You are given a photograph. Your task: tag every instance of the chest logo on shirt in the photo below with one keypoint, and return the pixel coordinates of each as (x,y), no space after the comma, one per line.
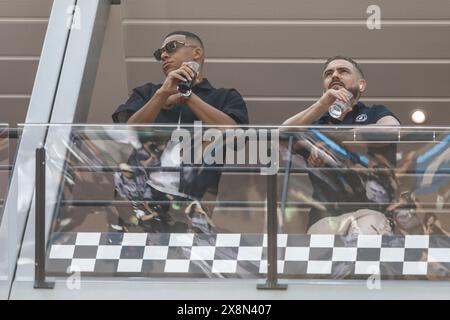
(361,118)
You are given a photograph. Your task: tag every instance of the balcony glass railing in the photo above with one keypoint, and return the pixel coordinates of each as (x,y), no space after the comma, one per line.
(247,202)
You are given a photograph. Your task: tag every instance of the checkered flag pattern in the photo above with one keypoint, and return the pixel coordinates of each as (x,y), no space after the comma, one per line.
(246,254)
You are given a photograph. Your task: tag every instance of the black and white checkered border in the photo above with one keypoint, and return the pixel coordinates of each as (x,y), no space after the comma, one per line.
(246,254)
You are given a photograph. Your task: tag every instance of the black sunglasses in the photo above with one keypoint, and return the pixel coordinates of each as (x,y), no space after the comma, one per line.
(170,47)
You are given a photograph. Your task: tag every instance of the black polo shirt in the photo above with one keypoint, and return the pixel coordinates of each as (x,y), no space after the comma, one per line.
(340,190)
(229,101)
(363,115)
(194,181)
(360,115)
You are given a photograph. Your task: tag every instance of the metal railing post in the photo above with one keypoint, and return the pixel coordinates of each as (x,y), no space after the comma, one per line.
(39,242)
(272,232)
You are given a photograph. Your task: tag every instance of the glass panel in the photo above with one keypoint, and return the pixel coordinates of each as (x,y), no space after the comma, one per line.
(374,205)
(6,221)
(129,205)
(150,201)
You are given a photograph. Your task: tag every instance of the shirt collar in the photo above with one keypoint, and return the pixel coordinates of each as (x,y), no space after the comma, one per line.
(204,85)
(348,119)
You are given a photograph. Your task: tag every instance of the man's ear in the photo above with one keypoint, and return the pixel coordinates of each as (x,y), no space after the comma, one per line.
(198,54)
(362,85)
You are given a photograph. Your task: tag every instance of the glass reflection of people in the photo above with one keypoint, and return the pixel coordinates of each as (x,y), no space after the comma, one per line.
(429,163)
(334,189)
(131,184)
(163,104)
(432,225)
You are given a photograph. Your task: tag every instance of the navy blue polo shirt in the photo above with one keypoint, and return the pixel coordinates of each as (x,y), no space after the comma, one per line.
(340,191)
(363,115)
(194,182)
(360,115)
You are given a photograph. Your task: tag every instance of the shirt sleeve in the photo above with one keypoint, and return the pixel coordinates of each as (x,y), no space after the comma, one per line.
(235,107)
(324,119)
(381,111)
(136,101)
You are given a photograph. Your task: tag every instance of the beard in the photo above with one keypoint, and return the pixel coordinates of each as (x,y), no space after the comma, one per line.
(355,92)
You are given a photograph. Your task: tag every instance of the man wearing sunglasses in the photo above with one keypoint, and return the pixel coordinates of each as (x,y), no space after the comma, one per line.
(337,193)
(164,104)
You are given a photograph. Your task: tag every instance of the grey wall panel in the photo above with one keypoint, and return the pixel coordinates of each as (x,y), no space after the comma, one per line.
(284,9)
(304,79)
(275,112)
(253,187)
(25,8)
(299,41)
(110,88)
(16,76)
(22,39)
(13,110)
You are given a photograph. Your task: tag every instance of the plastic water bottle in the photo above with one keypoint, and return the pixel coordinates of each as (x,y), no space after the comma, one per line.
(339,107)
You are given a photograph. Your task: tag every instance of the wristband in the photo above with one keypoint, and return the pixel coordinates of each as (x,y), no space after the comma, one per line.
(186,94)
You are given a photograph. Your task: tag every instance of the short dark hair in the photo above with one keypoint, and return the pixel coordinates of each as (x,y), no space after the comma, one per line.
(188,35)
(353,62)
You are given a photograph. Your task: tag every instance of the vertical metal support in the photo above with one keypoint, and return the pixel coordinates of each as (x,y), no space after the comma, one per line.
(40,243)
(286,178)
(272,232)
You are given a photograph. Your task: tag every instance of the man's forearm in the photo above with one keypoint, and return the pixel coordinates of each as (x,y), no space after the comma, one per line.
(149,112)
(307,116)
(207,113)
